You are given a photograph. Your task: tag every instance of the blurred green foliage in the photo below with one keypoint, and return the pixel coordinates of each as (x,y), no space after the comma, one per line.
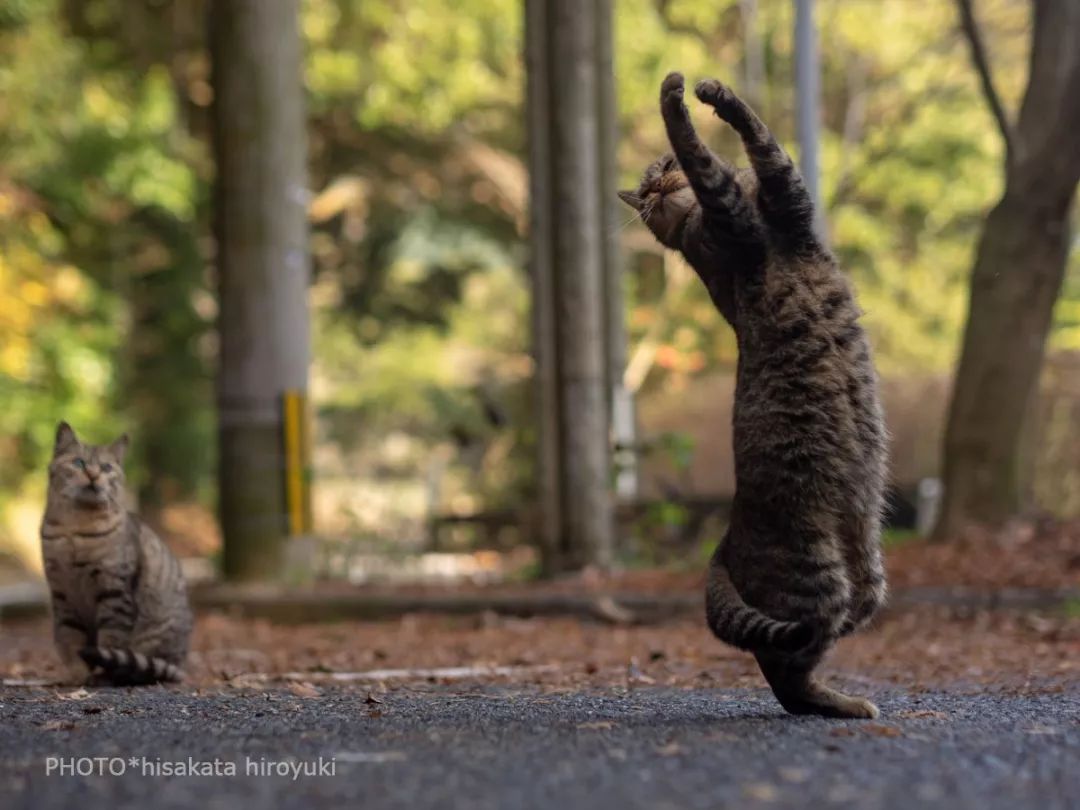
(98,258)
(416,142)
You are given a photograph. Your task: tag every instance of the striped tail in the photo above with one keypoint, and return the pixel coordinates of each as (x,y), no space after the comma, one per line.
(129,668)
(736,623)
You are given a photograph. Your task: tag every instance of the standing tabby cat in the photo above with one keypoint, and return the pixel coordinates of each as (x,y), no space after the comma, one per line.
(800,565)
(120,608)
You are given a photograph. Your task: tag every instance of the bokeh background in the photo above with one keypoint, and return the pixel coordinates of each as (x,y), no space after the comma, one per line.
(421,371)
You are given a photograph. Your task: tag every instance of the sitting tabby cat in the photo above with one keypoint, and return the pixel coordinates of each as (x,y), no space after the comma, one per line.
(800,564)
(120,607)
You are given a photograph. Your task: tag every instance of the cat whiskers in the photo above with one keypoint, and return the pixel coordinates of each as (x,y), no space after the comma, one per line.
(649,208)
(621,228)
(644,214)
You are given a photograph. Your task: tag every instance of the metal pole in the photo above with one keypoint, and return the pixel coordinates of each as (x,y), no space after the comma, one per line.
(807,90)
(620,400)
(754,46)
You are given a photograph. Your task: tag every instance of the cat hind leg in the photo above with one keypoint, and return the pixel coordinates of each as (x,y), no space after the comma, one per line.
(799,692)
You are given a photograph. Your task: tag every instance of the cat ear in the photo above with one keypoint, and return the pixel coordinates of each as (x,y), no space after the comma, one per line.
(65,438)
(119,448)
(631,199)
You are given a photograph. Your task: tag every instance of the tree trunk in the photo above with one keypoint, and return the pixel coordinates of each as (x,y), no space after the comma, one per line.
(1018,272)
(548,519)
(568,284)
(579,288)
(263,270)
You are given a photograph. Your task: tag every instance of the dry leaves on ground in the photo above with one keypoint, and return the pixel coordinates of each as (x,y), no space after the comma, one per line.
(918,648)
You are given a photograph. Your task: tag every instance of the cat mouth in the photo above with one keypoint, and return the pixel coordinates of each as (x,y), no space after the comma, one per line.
(671,207)
(91,496)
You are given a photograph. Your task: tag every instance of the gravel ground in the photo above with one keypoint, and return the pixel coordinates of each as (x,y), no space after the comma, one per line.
(489,746)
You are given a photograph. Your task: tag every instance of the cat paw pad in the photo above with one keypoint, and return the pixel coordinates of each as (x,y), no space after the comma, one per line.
(711,91)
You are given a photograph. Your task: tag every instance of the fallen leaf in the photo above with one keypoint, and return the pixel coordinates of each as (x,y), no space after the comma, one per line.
(78,694)
(58,725)
(635,675)
(879,730)
(371,699)
(611,611)
(842,731)
(1041,730)
(796,775)
(597,724)
(304,690)
(916,714)
(761,791)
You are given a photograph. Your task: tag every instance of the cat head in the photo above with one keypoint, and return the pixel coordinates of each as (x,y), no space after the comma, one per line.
(84,476)
(664,200)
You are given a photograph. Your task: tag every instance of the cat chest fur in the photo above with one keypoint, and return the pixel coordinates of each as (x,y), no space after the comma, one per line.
(80,568)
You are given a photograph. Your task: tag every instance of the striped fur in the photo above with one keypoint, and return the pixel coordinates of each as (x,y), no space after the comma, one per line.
(119,601)
(736,623)
(800,565)
(129,668)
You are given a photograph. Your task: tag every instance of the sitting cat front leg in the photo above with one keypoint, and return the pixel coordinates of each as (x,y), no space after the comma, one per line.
(70,637)
(115,616)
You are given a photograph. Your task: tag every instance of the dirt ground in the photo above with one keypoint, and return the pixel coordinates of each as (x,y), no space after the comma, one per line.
(921,648)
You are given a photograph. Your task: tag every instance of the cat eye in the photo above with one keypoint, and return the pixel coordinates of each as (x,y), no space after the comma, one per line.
(80,464)
(106,467)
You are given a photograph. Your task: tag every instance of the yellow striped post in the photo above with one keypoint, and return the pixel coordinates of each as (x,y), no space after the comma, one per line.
(297,455)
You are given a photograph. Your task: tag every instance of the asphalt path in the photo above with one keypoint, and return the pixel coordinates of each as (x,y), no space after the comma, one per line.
(509,747)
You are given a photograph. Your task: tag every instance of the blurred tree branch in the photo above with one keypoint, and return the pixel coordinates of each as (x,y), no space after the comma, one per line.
(979,57)
(663,9)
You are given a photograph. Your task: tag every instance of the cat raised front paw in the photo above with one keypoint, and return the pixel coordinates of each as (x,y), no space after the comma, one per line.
(671,91)
(716,94)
